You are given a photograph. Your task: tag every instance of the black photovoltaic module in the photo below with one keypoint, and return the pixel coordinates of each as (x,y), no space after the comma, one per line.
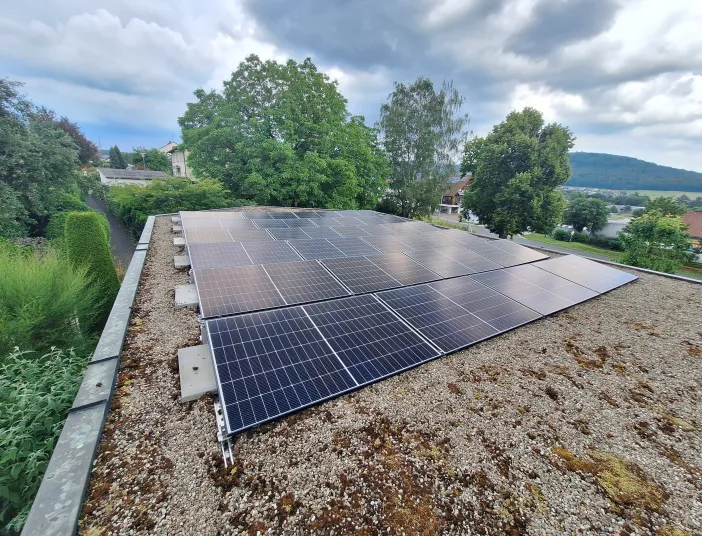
(505,252)
(360,275)
(304,281)
(271,252)
(587,273)
(319,248)
(216,255)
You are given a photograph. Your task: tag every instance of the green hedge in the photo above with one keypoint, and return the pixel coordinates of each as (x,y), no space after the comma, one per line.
(87,247)
(57,225)
(36,393)
(606,242)
(134,204)
(40,299)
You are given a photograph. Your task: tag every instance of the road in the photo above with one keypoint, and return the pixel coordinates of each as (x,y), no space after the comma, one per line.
(121,241)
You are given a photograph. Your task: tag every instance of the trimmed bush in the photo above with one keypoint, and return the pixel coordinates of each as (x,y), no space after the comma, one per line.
(41,299)
(561,234)
(87,247)
(36,393)
(57,225)
(133,204)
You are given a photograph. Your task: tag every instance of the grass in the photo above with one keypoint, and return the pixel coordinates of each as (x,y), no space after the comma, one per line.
(688,270)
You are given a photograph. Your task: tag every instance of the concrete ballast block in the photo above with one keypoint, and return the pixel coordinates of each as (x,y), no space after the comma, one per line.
(196,370)
(185,296)
(179,241)
(181,261)
(177,228)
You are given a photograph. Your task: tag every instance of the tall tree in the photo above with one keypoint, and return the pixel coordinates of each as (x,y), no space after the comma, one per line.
(117,159)
(37,163)
(657,241)
(516,169)
(422,130)
(280,134)
(155,160)
(87,150)
(586,212)
(666,206)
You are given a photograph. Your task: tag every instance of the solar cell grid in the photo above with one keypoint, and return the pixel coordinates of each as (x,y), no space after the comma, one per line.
(229,215)
(308,223)
(269,364)
(257,215)
(501,256)
(442,321)
(196,214)
(271,223)
(318,248)
(283,215)
(234,290)
(414,242)
(288,234)
(304,281)
(469,259)
(321,232)
(351,230)
(360,274)
(523,252)
(585,272)
(384,243)
(217,255)
(353,247)
(206,236)
(403,269)
(200,223)
(307,214)
(368,338)
(433,260)
(237,224)
(270,252)
(250,235)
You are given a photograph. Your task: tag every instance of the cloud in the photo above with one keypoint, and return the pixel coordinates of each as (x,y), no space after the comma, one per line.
(623,74)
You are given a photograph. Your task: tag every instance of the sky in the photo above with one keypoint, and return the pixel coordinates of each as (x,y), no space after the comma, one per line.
(624,75)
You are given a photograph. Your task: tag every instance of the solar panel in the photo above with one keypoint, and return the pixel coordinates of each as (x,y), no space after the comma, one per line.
(217,255)
(469,259)
(257,215)
(304,281)
(353,247)
(200,223)
(270,252)
(237,224)
(206,236)
(433,260)
(368,338)
(272,363)
(319,248)
(360,274)
(327,214)
(288,234)
(587,273)
(228,215)
(351,230)
(196,214)
(440,238)
(415,242)
(404,269)
(497,310)
(496,251)
(442,321)
(250,235)
(385,243)
(234,290)
(271,223)
(526,285)
(321,232)
(283,215)
(464,237)
(302,222)
(308,214)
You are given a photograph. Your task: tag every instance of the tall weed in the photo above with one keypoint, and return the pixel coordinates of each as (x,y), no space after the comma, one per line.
(36,392)
(41,300)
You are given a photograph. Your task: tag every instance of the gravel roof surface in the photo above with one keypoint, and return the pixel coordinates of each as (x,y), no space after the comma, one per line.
(586,422)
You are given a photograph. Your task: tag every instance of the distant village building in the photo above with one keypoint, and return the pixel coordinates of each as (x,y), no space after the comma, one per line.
(139,177)
(452,198)
(179,164)
(693,220)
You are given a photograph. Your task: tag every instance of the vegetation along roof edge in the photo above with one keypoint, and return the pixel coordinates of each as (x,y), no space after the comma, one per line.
(58,503)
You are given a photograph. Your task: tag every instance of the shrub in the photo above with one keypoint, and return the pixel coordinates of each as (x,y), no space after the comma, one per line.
(14,219)
(41,298)
(35,394)
(133,204)
(87,246)
(561,234)
(57,225)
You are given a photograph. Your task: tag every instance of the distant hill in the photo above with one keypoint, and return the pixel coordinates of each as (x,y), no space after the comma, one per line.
(613,172)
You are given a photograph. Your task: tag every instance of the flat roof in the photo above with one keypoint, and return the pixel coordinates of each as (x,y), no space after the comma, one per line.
(587,420)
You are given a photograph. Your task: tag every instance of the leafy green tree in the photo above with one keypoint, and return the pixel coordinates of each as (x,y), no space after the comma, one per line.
(589,212)
(280,134)
(116,159)
(155,160)
(516,169)
(656,241)
(613,209)
(626,208)
(37,163)
(666,206)
(684,201)
(87,246)
(422,131)
(87,150)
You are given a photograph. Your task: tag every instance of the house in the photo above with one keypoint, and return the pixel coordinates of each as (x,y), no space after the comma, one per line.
(693,220)
(112,177)
(451,199)
(178,160)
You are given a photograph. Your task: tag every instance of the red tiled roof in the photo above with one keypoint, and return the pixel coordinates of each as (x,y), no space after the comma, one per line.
(694,221)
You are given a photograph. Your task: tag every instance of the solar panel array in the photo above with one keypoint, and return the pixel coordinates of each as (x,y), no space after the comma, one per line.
(302,306)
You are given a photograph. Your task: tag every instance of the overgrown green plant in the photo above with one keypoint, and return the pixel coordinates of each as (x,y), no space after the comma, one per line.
(87,247)
(133,204)
(57,225)
(36,392)
(41,299)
